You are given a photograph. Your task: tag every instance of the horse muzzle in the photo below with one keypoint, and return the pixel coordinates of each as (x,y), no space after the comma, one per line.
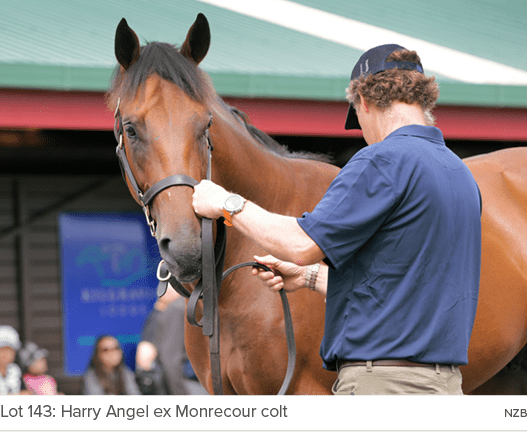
(182,258)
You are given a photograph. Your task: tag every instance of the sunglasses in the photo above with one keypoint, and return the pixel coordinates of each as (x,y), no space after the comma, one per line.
(109,349)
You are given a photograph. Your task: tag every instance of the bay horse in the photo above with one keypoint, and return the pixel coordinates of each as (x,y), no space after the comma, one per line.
(170,108)
(500,328)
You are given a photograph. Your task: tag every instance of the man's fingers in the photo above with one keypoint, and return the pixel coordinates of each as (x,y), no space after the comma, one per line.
(269,279)
(268,260)
(275,284)
(277,288)
(265,275)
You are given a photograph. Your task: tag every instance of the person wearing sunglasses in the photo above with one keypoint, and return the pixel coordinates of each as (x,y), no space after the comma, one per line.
(107,373)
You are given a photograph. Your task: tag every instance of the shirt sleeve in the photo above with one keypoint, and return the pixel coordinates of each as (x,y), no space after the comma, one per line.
(354,207)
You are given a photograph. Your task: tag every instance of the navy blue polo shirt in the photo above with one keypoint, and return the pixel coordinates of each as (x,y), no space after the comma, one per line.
(401,230)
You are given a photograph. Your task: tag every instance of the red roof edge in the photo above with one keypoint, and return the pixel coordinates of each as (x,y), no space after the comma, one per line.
(41,109)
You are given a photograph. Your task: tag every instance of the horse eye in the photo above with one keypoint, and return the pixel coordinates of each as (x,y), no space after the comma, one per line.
(210,123)
(130,132)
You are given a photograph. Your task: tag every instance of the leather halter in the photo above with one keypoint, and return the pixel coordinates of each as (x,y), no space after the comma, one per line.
(212,258)
(146,198)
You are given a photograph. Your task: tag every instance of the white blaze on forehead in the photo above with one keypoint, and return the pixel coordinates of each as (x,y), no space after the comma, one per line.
(436,59)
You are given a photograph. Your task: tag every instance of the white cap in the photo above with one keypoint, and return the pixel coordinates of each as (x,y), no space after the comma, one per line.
(9,338)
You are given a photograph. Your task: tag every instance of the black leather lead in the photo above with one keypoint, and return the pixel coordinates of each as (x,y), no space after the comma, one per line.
(288,321)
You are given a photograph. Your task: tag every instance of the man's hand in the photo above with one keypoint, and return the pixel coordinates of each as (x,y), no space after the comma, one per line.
(286,274)
(208,199)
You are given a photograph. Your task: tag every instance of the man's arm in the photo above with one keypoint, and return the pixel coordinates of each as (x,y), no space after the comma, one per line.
(279,235)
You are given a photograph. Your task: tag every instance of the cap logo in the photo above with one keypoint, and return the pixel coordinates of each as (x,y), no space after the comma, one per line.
(366,69)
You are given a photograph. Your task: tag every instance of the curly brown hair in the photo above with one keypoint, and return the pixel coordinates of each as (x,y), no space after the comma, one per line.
(383,88)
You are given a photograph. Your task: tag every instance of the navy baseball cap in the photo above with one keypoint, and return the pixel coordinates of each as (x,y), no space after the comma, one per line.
(372,62)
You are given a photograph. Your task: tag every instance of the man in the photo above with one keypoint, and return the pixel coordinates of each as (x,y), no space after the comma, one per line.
(400,235)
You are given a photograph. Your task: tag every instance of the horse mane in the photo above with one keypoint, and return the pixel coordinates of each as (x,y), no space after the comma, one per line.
(272,145)
(165,60)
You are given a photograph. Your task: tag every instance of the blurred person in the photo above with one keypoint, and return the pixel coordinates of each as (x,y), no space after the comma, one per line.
(149,374)
(162,365)
(107,373)
(34,365)
(10,372)
(149,371)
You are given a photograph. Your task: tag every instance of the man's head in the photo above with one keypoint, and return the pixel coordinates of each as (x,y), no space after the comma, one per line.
(390,73)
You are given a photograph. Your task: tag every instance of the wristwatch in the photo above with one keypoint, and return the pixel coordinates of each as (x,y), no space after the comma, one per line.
(233,204)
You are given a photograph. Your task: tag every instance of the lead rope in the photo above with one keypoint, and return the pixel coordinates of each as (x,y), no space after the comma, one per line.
(197,295)
(288,322)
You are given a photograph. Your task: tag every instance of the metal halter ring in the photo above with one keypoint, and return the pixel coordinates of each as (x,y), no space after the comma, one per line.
(151,222)
(115,115)
(167,277)
(117,108)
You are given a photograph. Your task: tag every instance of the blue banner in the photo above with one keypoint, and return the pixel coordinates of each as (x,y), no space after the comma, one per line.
(108,267)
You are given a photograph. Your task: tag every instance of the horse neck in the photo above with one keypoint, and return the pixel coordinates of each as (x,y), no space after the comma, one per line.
(244,166)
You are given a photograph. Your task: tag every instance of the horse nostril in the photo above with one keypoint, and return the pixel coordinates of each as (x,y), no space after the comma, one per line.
(164,246)
(182,256)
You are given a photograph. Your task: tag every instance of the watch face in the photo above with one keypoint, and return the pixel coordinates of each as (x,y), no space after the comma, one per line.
(233,202)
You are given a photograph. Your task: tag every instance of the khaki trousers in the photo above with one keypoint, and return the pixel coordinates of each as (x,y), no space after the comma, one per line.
(398,380)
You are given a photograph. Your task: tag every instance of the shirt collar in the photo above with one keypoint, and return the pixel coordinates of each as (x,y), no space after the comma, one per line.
(430,133)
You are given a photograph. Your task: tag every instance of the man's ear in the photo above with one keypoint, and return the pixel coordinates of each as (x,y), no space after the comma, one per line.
(364,104)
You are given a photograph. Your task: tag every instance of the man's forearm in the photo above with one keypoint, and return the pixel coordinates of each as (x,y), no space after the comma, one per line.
(279,235)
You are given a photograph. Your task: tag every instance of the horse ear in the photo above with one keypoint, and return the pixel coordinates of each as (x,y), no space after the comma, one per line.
(127,45)
(197,43)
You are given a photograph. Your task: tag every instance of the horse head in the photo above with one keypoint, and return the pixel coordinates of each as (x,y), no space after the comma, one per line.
(164,121)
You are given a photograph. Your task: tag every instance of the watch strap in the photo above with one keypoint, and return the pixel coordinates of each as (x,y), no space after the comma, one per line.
(228,217)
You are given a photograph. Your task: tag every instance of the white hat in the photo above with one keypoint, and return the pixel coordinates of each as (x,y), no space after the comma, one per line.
(30,353)
(9,338)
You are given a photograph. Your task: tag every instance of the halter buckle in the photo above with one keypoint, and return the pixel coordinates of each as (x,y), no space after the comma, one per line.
(151,222)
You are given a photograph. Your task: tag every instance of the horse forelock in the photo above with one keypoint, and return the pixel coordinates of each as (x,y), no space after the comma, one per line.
(167,62)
